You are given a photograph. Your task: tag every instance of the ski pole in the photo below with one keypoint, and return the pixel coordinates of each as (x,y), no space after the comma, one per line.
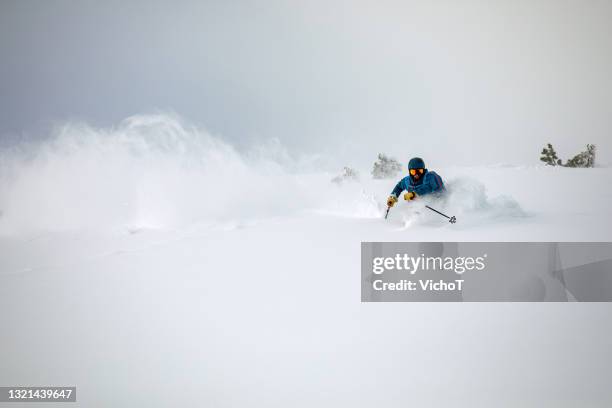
(387,213)
(452,219)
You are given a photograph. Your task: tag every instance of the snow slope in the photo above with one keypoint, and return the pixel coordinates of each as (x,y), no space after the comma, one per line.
(161,264)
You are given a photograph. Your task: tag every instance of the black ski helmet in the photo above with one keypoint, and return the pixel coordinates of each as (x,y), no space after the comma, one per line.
(416,163)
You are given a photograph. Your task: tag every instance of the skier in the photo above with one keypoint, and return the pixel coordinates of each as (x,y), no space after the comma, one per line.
(419,182)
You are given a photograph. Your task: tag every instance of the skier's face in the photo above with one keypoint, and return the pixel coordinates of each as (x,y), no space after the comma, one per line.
(416,174)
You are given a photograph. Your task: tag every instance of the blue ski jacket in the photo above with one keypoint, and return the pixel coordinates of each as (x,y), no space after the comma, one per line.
(429,183)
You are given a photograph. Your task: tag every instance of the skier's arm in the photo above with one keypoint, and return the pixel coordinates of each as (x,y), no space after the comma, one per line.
(399,187)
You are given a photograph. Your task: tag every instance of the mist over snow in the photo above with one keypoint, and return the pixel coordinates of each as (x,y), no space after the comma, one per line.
(149,171)
(158,172)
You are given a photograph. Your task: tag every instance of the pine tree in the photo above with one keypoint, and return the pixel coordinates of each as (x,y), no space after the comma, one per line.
(385,167)
(591,155)
(549,156)
(583,159)
(348,174)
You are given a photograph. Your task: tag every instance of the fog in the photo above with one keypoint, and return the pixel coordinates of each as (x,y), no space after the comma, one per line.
(456,82)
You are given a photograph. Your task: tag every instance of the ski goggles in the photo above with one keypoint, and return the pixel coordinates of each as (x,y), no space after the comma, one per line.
(413,172)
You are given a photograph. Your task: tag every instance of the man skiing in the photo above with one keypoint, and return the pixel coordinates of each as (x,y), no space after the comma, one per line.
(419,182)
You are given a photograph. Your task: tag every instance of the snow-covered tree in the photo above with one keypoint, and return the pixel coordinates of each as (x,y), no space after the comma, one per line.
(591,155)
(348,174)
(385,167)
(549,156)
(583,159)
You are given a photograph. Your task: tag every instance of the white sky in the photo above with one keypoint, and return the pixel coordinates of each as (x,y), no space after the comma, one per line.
(452,81)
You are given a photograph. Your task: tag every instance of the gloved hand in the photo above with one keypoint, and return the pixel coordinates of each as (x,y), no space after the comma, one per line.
(409,196)
(391,201)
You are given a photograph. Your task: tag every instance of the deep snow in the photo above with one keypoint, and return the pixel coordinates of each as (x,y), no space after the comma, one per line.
(157,261)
